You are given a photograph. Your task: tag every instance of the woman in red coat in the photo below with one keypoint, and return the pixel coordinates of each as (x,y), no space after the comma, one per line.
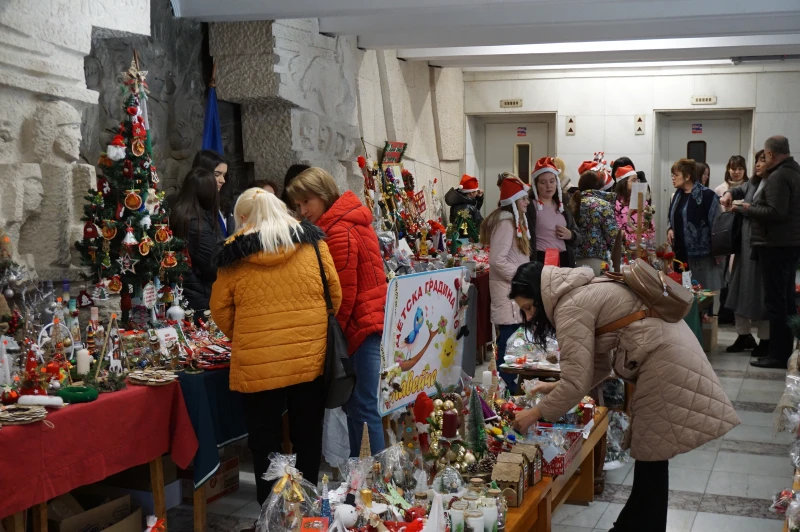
(354,246)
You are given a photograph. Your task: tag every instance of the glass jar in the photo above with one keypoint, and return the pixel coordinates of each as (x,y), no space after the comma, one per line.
(477,486)
(473,521)
(456,513)
(471,498)
(502,508)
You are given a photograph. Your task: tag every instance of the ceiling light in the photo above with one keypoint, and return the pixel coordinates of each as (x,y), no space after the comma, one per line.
(604,66)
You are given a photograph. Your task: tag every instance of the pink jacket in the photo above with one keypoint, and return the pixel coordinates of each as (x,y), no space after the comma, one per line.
(504,259)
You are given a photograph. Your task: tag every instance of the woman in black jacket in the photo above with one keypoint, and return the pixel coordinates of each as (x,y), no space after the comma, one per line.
(195,219)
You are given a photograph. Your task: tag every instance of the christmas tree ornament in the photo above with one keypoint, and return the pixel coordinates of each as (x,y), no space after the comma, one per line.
(169,260)
(163,234)
(120,210)
(115,284)
(84,299)
(127,169)
(106,246)
(105,262)
(133,201)
(8,293)
(109,230)
(145,222)
(116,150)
(101,292)
(103,188)
(132,110)
(130,239)
(153,202)
(138,130)
(137,147)
(127,264)
(145,245)
(153,174)
(90,231)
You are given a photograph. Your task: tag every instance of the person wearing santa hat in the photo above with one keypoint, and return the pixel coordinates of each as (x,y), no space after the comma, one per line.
(468,196)
(506,233)
(551,225)
(594,211)
(626,176)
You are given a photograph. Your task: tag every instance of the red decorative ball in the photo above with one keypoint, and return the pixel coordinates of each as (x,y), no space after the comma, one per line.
(362,162)
(132,110)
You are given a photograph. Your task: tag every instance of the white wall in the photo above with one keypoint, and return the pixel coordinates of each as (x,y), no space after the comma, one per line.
(605,103)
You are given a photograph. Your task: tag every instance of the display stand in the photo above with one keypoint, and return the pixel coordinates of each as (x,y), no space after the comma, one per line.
(576,485)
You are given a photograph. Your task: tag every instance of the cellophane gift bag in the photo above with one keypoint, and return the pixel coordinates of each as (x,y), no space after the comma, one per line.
(292,497)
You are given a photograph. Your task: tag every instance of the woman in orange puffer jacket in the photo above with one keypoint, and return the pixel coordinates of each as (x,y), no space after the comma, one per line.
(269,300)
(355,250)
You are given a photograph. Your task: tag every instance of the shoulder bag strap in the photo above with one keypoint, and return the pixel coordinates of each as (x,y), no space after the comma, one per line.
(328,301)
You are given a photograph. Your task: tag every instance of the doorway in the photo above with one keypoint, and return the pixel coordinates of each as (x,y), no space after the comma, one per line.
(512,143)
(711,137)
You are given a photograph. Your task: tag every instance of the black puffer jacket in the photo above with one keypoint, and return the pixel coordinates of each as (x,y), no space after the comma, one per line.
(458,201)
(775,211)
(202,242)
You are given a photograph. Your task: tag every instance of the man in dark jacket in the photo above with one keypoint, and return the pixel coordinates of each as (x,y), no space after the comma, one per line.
(775,238)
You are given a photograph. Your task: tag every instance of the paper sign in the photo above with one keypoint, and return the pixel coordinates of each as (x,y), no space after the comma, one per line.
(166,335)
(637,188)
(522,131)
(686,280)
(549,453)
(421,343)
(149,295)
(697,129)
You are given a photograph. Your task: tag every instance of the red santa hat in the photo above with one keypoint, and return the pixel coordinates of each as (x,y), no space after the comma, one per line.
(608,182)
(588,166)
(543,166)
(469,184)
(625,171)
(511,189)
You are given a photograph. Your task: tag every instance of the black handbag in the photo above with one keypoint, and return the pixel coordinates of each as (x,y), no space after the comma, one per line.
(726,235)
(338,376)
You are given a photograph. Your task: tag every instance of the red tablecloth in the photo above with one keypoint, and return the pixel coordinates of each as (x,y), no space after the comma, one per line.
(484,333)
(91,441)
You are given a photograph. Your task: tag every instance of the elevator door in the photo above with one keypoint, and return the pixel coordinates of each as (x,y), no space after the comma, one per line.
(511,147)
(710,141)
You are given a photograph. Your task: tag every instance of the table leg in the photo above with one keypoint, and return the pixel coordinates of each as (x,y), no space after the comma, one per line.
(157,486)
(584,490)
(200,509)
(40,517)
(544,511)
(14,523)
(599,463)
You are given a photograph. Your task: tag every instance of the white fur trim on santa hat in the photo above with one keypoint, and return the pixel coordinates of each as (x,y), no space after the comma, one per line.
(544,170)
(513,199)
(467,190)
(629,174)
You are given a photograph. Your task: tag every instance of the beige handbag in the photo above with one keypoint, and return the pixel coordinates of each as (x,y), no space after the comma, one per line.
(664,298)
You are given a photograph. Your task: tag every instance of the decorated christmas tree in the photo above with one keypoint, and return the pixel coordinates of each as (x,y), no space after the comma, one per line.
(127,241)
(476,431)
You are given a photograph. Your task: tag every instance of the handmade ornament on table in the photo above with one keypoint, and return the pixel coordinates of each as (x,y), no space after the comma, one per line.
(133,201)
(116,150)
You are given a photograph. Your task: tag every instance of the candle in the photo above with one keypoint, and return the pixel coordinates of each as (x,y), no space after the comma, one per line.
(450,424)
(366,497)
(487,379)
(6,362)
(473,521)
(456,513)
(84,361)
(489,509)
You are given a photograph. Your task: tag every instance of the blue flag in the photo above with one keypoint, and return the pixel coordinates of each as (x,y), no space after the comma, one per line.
(212,134)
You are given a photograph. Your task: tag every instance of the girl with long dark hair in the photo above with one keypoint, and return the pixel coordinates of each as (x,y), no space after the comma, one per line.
(194,218)
(218,166)
(671,412)
(735,175)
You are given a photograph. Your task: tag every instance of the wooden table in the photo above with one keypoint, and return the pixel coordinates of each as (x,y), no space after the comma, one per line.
(576,485)
(526,373)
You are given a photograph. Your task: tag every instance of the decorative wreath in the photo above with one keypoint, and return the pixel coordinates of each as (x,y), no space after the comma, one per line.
(78,394)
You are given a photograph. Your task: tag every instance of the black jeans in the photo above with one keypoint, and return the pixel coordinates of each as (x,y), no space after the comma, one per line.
(646,509)
(778,266)
(263,413)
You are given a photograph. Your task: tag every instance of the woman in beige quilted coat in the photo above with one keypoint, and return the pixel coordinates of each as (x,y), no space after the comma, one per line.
(678,404)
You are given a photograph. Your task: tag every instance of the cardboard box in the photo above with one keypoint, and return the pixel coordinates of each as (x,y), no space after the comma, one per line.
(138,478)
(113,516)
(710,333)
(224,482)
(143,499)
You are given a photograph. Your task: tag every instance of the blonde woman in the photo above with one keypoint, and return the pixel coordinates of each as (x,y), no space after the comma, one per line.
(356,253)
(269,300)
(506,233)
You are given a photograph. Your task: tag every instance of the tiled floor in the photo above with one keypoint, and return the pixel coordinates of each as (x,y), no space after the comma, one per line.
(725,485)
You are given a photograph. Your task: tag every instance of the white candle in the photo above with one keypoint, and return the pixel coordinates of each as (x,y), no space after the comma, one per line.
(489,515)
(6,361)
(84,361)
(487,378)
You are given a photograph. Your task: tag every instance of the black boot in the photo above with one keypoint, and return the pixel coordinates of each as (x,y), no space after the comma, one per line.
(762,350)
(744,342)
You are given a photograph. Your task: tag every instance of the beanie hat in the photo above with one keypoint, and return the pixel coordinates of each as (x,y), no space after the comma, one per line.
(543,166)
(625,171)
(469,184)
(511,189)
